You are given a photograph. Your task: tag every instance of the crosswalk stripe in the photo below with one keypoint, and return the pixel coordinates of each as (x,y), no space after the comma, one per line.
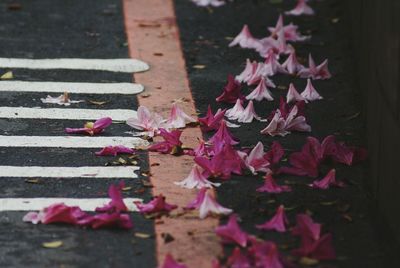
(65,113)
(112,65)
(111,172)
(71,87)
(33,204)
(70,141)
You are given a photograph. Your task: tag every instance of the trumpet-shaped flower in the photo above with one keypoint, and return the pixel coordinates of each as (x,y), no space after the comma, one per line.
(255,160)
(270,186)
(231,91)
(245,39)
(196,179)
(211,121)
(248,71)
(315,72)
(265,254)
(117,203)
(327,181)
(178,118)
(277,222)
(223,135)
(301,9)
(235,112)
(114,150)
(171,143)
(157,205)
(272,65)
(91,128)
(248,114)
(260,92)
(321,249)
(147,121)
(292,65)
(206,204)
(293,95)
(231,232)
(290,31)
(309,93)
(306,227)
(239,260)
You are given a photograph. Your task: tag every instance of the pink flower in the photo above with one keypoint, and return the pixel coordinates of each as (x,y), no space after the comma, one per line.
(91,128)
(272,65)
(169,262)
(265,254)
(255,160)
(290,31)
(115,150)
(157,205)
(261,71)
(231,232)
(206,204)
(178,118)
(245,39)
(270,186)
(277,222)
(327,181)
(310,93)
(292,65)
(274,155)
(108,220)
(146,120)
(224,135)
(211,121)
(315,72)
(60,100)
(260,92)
(276,126)
(306,227)
(117,203)
(301,9)
(235,112)
(171,143)
(56,213)
(293,95)
(248,114)
(196,179)
(248,71)
(239,260)
(321,249)
(231,91)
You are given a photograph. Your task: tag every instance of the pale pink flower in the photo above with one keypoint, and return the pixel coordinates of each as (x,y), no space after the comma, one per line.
(292,65)
(146,120)
(315,72)
(245,39)
(290,31)
(206,204)
(278,222)
(205,3)
(276,126)
(248,71)
(235,112)
(296,123)
(248,114)
(255,160)
(310,93)
(272,65)
(270,186)
(63,99)
(327,181)
(260,72)
(231,232)
(178,118)
(196,179)
(293,95)
(301,9)
(260,92)
(276,46)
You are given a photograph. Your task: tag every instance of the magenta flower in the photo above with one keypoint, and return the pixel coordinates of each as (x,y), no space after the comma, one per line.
(235,112)
(206,204)
(255,161)
(306,227)
(245,39)
(327,181)
(309,93)
(277,222)
(321,249)
(265,254)
(178,118)
(293,95)
(56,213)
(147,121)
(115,150)
(157,205)
(231,91)
(292,65)
(91,128)
(211,121)
(169,262)
(274,155)
(239,260)
(301,9)
(270,186)
(231,232)
(117,203)
(260,92)
(196,179)
(290,31)
(224,135)
(315,72)
(108,220)
(171,143)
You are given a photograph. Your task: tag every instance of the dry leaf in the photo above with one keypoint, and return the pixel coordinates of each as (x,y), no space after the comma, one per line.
(145,95)
(32,181)
(149,24)
(335,20)
(308,261)
(14,6)
(199,66)
(52,244)
(142,235)
(7,75)
(97,102)
(128,188)
(158,54)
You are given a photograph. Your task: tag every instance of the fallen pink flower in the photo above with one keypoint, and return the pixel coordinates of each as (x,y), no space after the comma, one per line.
(290,31)
(169,262)
(56,213)
(321,249)
(239,260)
(245,39)
(261,71)
(115,150)
(196,179)
(274,155)
(293,95)
(301,9)
(91,128)
(276,45)
(315,72)
(309,93)
(248,114)
(272,65)
(231,232)
(306,227)
(270,186)
(178,118)
(277,222)
(276,126)
(235,112)
(117,203)
(260,92)
(224,135)
(171,143)
(231,91)
(211,121)
(157,205)
(265,254)
(292,65)
(248,71)
(327,181)
(206,204)
(60,100)
(255,160)
(108,220)
(146,120)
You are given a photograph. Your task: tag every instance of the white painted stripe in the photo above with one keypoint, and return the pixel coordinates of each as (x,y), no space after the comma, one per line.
(65,113)
(33,204)
(112,65)
(126,172)
(71,87)
(70,141)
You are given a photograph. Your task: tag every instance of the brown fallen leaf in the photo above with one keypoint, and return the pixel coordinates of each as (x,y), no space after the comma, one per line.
(155,164)
(149,24)
(7,75)
(335,20)
(199,66)
(145,95)
(97,102)
(32,181)
(158,54)
(147,184)
(14,6)
(52,244)
(128,188)
(308,261)
(142,235)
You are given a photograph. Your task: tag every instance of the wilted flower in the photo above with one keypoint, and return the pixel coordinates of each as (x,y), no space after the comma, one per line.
(91,128)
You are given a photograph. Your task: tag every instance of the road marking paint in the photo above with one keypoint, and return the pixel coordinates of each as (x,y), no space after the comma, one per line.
(65,113)
(71,87)
(127,172)
(86,204)
(112,65)
(70,141)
